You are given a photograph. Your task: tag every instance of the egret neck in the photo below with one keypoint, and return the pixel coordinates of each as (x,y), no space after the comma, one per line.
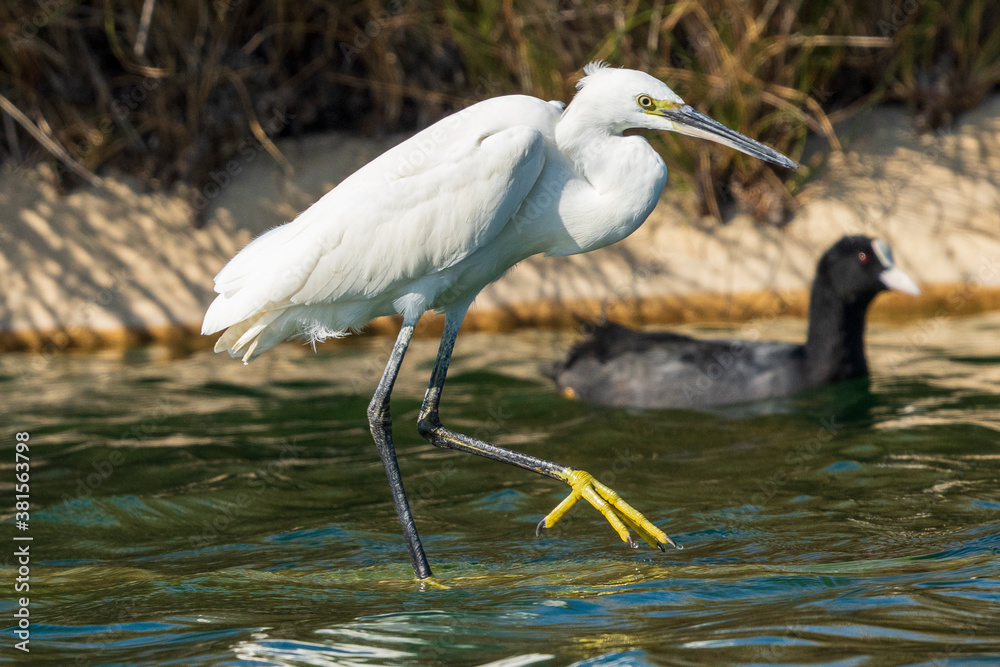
(625,175)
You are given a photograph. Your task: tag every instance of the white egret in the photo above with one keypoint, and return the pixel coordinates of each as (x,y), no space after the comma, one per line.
(432,221)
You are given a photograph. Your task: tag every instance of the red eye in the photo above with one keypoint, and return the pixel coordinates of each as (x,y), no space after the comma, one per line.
(863,258)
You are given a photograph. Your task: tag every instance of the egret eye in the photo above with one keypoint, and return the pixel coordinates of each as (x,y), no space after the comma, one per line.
(863,258)
(645,101)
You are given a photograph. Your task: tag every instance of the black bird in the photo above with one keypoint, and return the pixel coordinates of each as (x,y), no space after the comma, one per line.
(619,366)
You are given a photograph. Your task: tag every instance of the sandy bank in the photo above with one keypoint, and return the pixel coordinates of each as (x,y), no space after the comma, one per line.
(115,265)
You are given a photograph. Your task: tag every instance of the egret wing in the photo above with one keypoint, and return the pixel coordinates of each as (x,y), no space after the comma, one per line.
(417,209)
(425,218)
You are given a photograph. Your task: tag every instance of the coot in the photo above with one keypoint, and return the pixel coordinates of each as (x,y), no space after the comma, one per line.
(619,366)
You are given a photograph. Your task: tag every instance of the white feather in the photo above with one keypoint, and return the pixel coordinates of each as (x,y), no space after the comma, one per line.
(432,221)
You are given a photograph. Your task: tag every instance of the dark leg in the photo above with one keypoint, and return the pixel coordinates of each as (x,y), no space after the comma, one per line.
(429,424)
(615,510)
(381,427)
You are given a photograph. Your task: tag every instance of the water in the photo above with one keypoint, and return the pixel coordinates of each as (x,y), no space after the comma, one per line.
(188,510)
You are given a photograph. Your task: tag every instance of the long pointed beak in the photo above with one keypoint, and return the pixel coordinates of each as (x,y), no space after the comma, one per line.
(897,279)
(696,124)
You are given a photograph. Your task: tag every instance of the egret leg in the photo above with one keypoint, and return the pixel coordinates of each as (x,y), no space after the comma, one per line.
(619,514)
(381,427)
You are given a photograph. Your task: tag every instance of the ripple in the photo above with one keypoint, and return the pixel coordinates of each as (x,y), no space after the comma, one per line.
(245,518)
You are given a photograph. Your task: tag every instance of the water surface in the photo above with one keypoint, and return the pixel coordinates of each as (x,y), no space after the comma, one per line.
(189,510)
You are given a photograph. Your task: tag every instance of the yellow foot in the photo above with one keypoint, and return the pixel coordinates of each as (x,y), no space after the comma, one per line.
(432,584)
(618,512)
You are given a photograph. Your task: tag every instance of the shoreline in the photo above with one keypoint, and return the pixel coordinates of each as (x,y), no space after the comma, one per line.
(937,301)
(116,266)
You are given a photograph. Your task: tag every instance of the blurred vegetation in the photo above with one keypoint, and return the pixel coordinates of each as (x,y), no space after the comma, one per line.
(169,91)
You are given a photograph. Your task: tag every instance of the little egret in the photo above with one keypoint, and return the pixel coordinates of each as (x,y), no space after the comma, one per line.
(432,221)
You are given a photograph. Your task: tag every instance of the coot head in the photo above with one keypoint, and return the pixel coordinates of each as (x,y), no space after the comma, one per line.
(848,277)
(856,268)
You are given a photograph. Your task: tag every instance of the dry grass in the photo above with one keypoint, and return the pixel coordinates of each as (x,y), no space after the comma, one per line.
(172,91)
(946,58)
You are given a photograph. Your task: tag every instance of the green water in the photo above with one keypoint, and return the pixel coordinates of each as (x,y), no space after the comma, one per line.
(188,510)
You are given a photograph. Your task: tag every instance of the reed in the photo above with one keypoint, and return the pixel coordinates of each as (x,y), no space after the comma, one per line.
(169,91)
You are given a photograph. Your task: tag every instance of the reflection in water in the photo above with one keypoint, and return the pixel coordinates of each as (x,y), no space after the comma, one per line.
(190,509)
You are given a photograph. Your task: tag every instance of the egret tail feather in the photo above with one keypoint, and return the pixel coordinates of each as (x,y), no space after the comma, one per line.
(255,335)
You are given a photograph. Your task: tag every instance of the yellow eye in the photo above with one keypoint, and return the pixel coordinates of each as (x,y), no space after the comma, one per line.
(645,101)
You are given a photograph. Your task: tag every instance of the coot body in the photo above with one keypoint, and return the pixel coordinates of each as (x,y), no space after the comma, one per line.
(618,366)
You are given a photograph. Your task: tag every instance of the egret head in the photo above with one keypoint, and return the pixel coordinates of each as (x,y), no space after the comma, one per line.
(631,99)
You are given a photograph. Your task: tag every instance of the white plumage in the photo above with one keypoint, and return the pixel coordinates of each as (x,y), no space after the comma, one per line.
(433,220)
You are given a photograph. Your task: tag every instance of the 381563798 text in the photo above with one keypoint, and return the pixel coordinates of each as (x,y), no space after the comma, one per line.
(22,540)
